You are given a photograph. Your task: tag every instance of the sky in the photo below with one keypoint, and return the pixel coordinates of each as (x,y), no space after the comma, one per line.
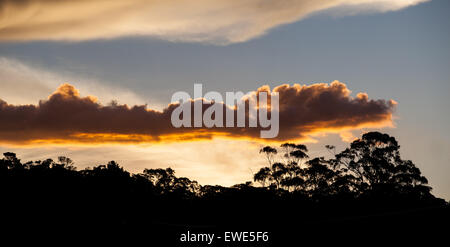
(141,52)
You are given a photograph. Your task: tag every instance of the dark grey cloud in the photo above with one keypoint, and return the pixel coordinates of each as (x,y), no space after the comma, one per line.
(67,117)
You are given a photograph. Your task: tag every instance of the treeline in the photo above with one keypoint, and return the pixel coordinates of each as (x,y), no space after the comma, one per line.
(371,166)
(367,178)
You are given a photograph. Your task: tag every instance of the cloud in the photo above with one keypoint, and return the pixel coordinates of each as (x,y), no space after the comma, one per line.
(67,117)
(221,21)
(24,83)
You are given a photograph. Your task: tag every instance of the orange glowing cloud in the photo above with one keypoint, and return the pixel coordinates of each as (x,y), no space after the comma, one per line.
(304,110)
(218,21)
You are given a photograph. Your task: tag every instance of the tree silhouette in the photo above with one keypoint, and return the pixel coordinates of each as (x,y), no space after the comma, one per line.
(374,161)
(367,178)
(165,181)
(269,152)
(371,164)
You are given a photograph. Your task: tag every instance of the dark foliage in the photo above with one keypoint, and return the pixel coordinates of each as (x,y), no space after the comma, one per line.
(366,185)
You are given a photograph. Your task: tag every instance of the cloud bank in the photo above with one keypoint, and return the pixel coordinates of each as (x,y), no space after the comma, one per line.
(221,21)
(67,117)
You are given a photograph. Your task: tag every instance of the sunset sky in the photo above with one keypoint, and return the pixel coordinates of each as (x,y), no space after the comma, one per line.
(341,67)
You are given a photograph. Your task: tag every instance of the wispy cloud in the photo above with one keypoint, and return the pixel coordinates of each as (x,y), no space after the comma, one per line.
(26,83)
(221,21)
